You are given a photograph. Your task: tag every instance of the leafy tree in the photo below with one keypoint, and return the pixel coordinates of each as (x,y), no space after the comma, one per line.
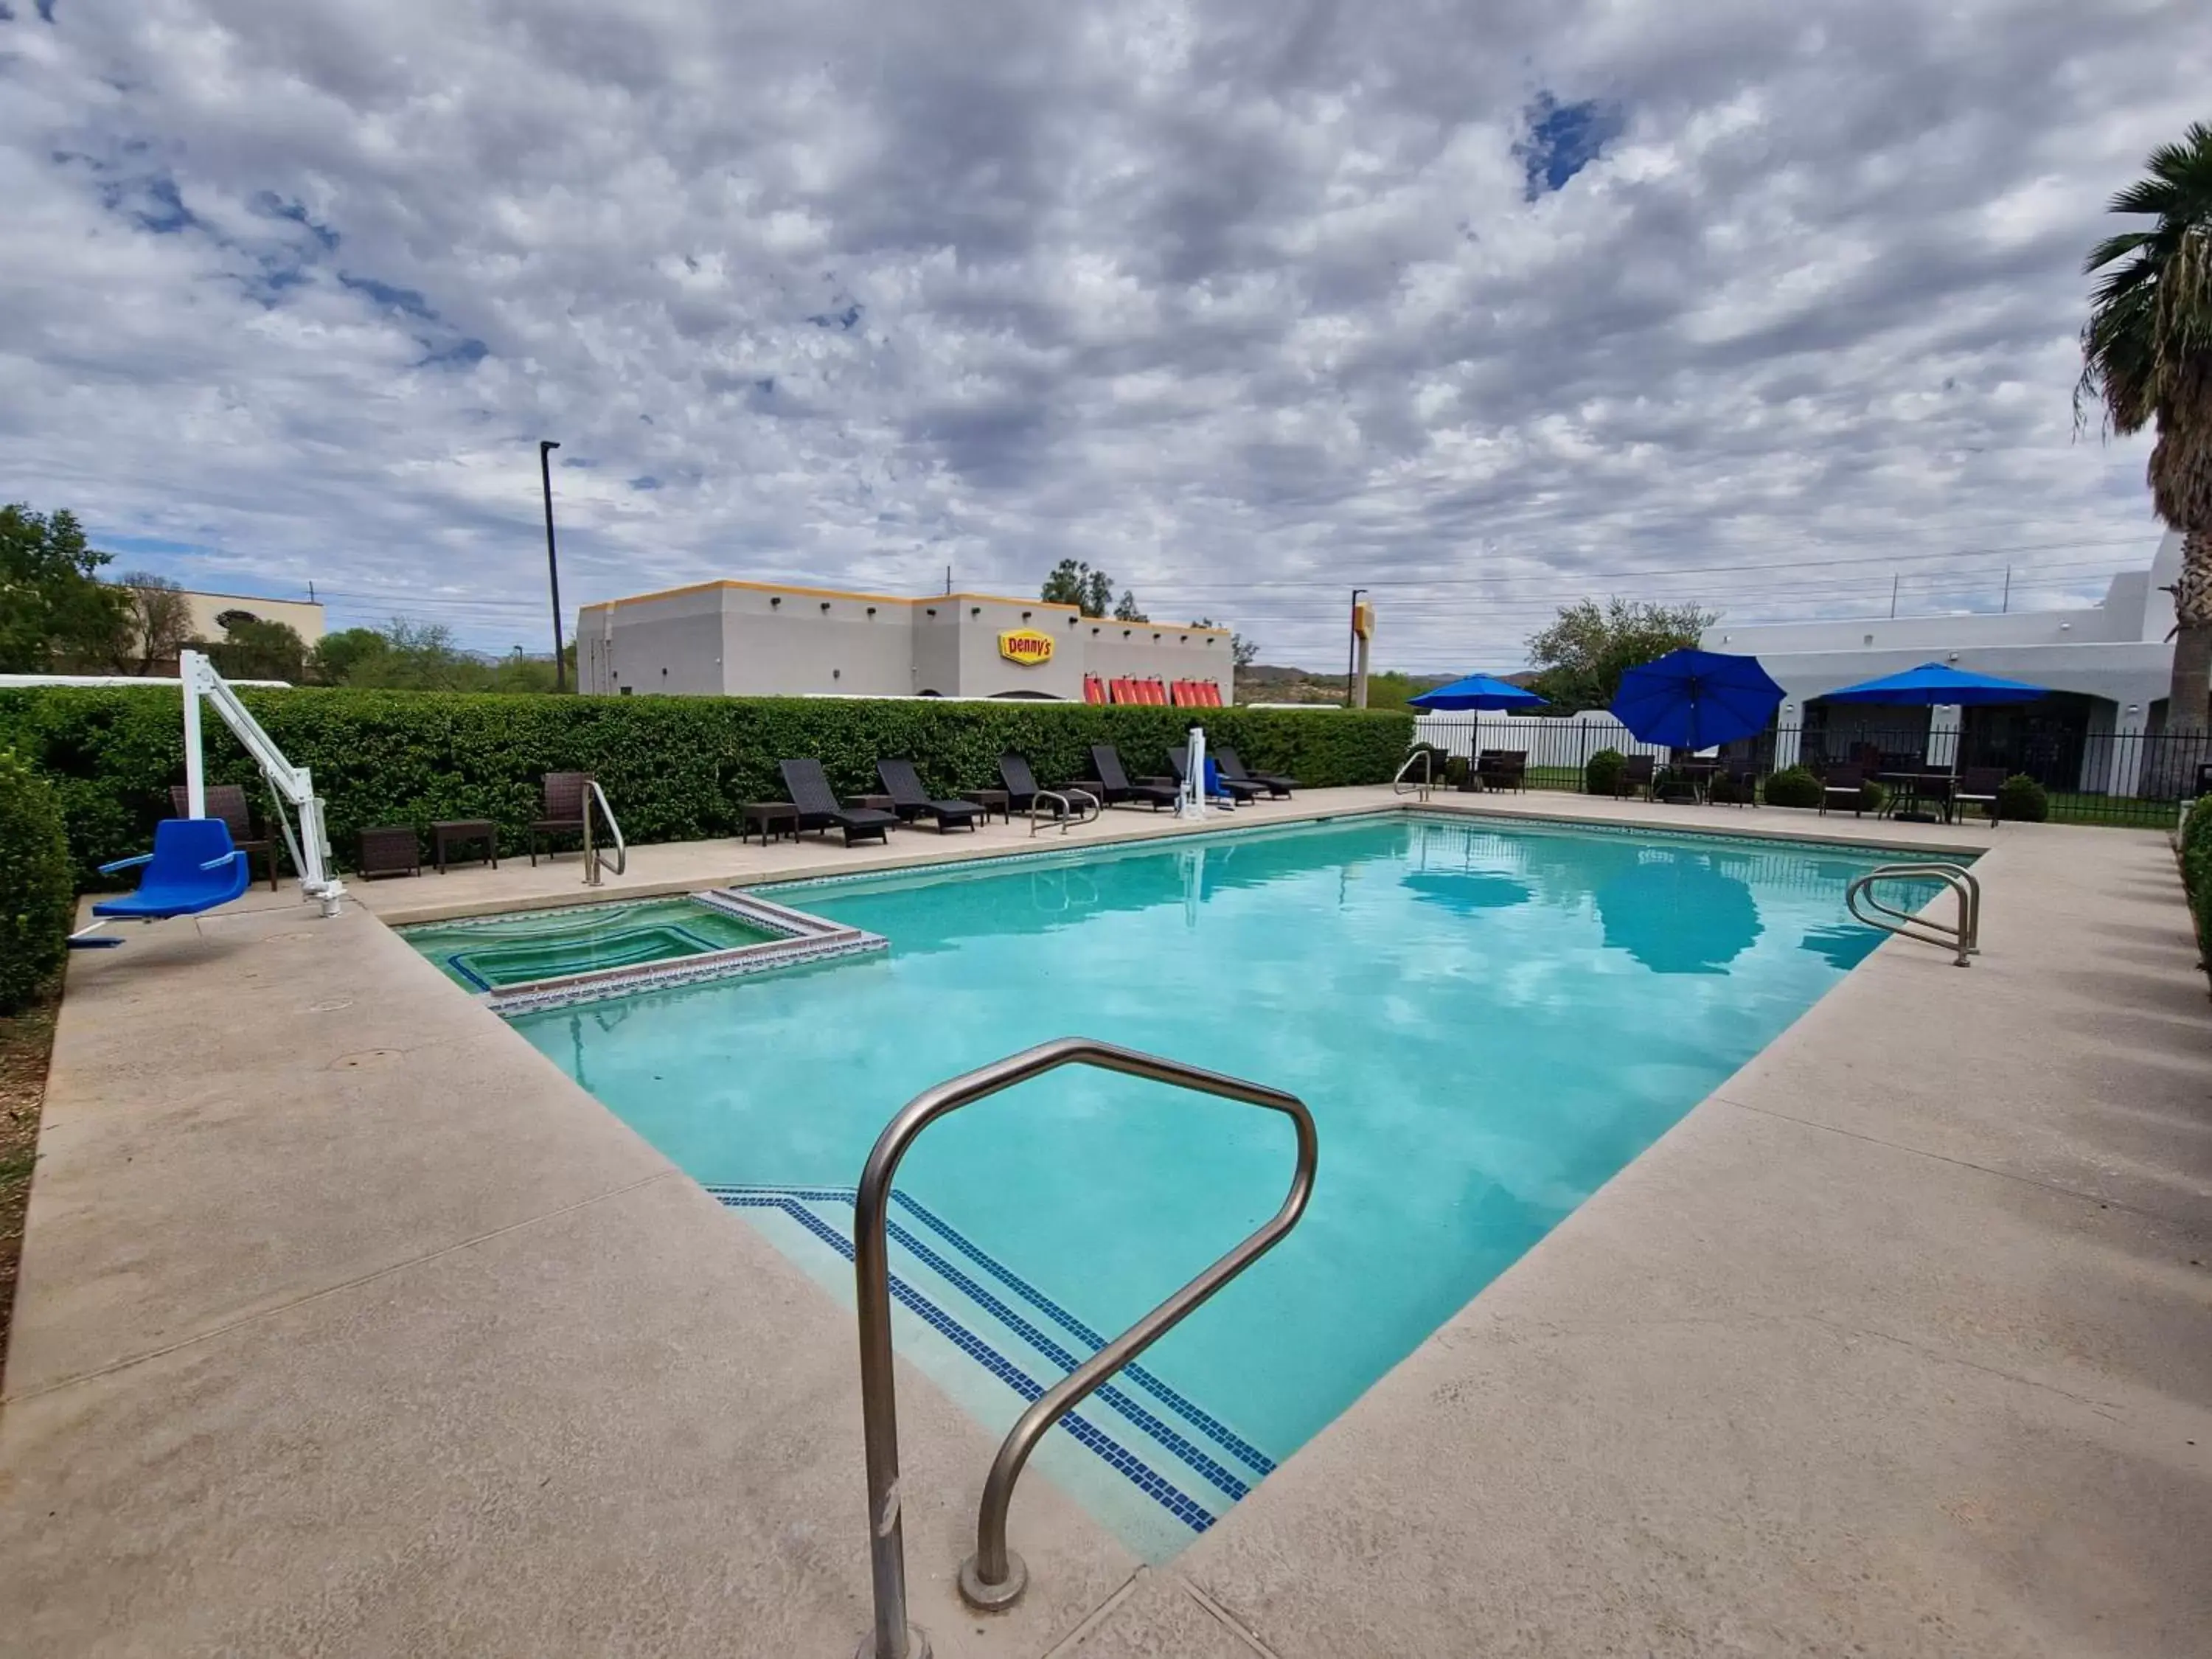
(154,626)
(251,649)
(1125,609)
(1581,657)
(53,610)
(2147,360)
(1242,653)
(337,655)
(1074,582)
(405,656)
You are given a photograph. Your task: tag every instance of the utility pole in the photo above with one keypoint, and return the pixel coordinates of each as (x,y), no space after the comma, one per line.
(1892,599)
(1351,649)
(546,448)
(2006,607)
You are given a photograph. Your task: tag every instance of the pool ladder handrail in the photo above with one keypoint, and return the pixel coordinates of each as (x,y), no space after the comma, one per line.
(593,856)
(1963,939)
(995,1577)
(1069,815)
(1428,780)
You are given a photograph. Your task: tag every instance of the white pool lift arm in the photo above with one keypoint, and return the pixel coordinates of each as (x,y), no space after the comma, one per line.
(310,848)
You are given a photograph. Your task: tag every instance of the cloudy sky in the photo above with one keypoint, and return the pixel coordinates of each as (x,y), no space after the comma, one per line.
(1486,308)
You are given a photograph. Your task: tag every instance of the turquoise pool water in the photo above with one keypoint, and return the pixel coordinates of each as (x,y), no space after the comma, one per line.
(1488,1021)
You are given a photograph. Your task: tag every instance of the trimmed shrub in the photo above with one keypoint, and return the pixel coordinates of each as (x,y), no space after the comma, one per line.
(35,895)
(2021,799)
(1793,786)
(1601,772)
(2197,871)
(676,768)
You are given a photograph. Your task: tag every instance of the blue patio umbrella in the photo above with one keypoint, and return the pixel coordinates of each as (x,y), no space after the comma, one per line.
(1696,699)
(1933,682)
(1477,691)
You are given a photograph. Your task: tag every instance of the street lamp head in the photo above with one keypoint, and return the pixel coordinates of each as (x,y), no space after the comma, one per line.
(545,444)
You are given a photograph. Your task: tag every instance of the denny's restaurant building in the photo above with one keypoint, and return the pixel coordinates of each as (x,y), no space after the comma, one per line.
(758,639)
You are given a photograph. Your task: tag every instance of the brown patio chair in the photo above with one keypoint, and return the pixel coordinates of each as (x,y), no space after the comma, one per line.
(1978,785)
(1502,769)
(564,810)
(226,801)
(1636,771)
(1845,781)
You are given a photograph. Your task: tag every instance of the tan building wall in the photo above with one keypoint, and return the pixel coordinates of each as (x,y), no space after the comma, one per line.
(755,639)
(304,618)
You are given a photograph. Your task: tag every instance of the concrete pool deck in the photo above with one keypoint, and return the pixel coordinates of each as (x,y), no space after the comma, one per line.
(350,1325)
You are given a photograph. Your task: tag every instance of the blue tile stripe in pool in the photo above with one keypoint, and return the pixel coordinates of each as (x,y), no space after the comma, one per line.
(1220,1433)
(796,1202)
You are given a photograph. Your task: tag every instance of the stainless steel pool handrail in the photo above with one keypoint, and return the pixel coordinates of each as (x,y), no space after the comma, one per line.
(1426,756)
(994,1576)
(1964,939)
(593,795)
(1069,814)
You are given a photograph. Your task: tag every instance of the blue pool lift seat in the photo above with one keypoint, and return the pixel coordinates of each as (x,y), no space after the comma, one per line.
(193,867)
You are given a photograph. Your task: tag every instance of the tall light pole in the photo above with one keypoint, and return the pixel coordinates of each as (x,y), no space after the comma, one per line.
(546,448)
(1351,646)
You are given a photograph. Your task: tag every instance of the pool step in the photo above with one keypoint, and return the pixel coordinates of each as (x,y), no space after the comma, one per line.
(997,1341)
(800,938)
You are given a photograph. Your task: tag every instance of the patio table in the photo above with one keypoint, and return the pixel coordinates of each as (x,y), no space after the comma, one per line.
(1699,775)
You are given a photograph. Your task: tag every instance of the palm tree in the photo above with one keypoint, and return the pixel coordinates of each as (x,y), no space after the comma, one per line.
(2146,359)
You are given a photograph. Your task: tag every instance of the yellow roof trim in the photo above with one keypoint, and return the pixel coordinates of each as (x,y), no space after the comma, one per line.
(825,594)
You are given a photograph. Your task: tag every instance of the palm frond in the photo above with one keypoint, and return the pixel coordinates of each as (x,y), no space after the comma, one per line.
(2147,346)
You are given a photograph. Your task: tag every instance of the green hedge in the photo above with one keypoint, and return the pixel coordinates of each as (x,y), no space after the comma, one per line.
(35,907)
(2197,871)
(1793,786)
(2021,799)
(676,768)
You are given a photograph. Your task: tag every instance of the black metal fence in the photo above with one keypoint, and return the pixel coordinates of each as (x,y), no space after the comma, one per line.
(2091,777)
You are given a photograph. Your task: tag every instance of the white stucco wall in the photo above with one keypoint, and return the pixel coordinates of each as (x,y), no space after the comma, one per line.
(745,638)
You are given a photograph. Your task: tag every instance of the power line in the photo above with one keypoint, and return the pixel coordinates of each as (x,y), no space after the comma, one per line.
(1649,573)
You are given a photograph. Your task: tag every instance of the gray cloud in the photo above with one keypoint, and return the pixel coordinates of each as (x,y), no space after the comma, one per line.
(1245,303)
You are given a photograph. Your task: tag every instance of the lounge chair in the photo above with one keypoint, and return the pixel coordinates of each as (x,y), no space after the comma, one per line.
(193,867)
(1224,787)
(1114,788)
(1978,786)
(1636,771)
(1023,794)
(909,799)
(226,801)
(1273,783)
(1844,780)
(820,809)
(1502,769)
(563,813)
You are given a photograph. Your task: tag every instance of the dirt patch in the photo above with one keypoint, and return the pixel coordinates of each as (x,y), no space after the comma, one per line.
(25,1041)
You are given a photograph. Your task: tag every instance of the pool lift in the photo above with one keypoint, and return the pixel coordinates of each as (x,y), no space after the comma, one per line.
(310,847)
(1190,793)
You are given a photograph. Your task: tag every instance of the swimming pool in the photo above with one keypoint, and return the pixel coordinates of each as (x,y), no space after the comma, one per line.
(1488,1020)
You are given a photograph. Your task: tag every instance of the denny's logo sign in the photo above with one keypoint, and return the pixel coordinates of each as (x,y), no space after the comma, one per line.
(1026,646)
